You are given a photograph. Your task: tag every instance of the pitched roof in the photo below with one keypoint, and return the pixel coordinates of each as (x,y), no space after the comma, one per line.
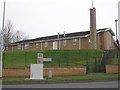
(68,35)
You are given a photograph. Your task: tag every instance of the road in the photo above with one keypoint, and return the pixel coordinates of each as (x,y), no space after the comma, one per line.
(95,84)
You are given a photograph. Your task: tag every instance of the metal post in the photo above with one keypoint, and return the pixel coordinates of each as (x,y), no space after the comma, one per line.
(87,64)
(1,64)
(116,28)
(25,59)
(1,46)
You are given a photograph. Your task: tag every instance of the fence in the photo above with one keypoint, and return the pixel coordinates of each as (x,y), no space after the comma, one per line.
(94,60)
(18,60)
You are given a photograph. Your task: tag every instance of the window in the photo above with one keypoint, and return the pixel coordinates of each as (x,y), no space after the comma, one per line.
(46,44)
(74,41)
(18,47)
(37,45)
(64,42)
(26,46)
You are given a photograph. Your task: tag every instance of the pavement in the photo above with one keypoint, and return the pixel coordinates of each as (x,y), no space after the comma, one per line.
(95,84)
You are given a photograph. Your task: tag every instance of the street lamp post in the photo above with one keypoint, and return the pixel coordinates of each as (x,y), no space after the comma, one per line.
(116,28)
(116,37)
(1,42)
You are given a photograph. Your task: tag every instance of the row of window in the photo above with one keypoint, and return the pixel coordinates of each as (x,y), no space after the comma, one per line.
(26,46)
(74,42)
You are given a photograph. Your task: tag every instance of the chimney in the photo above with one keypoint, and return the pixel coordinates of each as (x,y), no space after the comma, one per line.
(58,35)
(93,37)
(64,33)
(58,41)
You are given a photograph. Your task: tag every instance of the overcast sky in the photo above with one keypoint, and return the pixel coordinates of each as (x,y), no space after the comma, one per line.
(48,17)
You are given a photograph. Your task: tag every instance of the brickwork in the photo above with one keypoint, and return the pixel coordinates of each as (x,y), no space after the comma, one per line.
(55,72)
(104,41)
(85,44)
(16,72)
(65,71)
(69,44)
(112,68)
(48,47)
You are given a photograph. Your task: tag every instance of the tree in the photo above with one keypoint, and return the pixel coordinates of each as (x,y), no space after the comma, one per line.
(19,35)
(11,35)
(8,33)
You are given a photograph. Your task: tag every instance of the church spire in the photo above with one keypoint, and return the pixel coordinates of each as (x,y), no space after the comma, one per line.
(92,3)
(93,36)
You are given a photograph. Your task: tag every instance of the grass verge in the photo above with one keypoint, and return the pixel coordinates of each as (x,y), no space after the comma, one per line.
(60,79)
(60,58)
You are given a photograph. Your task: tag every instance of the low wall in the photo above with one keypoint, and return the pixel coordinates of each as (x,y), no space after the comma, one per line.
(112,68)
(55,72)
(65,71)
(16,72)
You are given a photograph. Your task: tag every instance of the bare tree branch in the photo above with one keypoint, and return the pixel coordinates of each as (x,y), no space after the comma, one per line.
(10,35)
(19,35)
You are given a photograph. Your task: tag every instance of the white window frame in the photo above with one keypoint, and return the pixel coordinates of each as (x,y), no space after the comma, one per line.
(74,41)
(37,45)
(27,46)
(46,44)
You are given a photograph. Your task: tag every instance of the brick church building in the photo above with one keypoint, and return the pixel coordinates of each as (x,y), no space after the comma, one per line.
(101,39)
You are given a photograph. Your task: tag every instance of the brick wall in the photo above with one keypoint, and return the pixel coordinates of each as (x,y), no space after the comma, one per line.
(85,44)
(55,72)
(104,41)
(65,71)
(69,44)
(112,68)
(82,43)
(15,72)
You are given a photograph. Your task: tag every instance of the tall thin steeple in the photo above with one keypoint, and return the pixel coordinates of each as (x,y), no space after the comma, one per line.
(93,36)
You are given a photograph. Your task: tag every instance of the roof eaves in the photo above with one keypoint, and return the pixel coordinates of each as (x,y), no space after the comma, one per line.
(61,36)
(111,31)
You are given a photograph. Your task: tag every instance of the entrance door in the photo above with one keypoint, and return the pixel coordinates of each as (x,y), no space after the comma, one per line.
(36,71)
(55,46)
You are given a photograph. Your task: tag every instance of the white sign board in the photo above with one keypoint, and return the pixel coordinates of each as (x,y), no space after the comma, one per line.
(36,71)
(47,59)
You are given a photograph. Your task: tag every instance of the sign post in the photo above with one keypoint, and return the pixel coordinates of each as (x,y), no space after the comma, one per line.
(36,70)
